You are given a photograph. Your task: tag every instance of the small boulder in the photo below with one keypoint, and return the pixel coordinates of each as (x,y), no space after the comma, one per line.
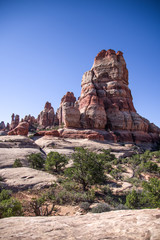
(21,129)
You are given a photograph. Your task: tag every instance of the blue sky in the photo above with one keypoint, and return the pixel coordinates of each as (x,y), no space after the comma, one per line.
(46,46)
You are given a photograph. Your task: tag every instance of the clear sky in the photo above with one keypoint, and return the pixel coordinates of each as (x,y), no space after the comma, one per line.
(46,46)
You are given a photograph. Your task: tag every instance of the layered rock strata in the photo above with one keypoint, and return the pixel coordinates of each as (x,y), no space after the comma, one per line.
(106,101)
(14,121)
(21,129)
(68,112)
(46,117)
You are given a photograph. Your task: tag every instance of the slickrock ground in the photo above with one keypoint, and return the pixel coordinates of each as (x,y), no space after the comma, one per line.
(67,146)
(16,147)
(19,147)
(25,178)
(117,225)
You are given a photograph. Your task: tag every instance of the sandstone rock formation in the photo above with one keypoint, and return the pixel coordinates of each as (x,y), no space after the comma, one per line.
(31,120)
(106,103)
(53,133)
(68,112)
(2,125)
(114,225)
(46,117)
(81,134)
(14,121)
(21,129)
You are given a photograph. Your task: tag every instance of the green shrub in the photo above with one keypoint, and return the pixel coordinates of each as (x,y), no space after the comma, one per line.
(88,168)
(17,163)
(151,193)
(65,196)
(9,206)
(36,161)
(41,207)
(148,198)
(101,207)
(150,167)
(55,161)
(121,207)
(5,195)
(116,173)
(133,200)
(85,205)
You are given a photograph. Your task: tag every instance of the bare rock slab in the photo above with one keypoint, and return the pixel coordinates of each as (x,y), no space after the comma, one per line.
(25,178)
(117,225)
(16,147)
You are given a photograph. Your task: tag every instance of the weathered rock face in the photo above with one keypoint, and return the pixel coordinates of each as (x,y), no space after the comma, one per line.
(2,125)
(106,100)
(14,121)
(21,129)
(31,121)
(46,117)
(16,147)
(68,112)
(114,225)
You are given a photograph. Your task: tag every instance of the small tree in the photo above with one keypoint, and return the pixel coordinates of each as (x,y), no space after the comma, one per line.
(88,168)
(132,200)
(17,163)
(36,161)
(9,206)
(55,161)
(151,193)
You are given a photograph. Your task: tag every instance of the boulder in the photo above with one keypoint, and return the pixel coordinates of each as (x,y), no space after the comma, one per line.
(21,129)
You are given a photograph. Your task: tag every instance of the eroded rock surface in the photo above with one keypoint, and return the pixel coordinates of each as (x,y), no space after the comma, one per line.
(46,117)
(22,129)
(117,225)
(16,147)
(67,146)
(68,112)
(106,101)
(25,178)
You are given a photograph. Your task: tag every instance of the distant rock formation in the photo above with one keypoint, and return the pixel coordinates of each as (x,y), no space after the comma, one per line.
(46,117)
(14,121)
(68,112)
(31,120)
(105,106)
(2,125)
(21,129)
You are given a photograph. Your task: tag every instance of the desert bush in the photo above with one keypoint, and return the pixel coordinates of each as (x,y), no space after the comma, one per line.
(116,173)
(85,206)
(149,167)
(36,161)
(55,161)
(65,196)
(151,193)
(17,163)
(148,198)
(9,206)
(135,181)
(133,200)
(121,207)
(101,207)
(88,168)
(40,206)
(70,185)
